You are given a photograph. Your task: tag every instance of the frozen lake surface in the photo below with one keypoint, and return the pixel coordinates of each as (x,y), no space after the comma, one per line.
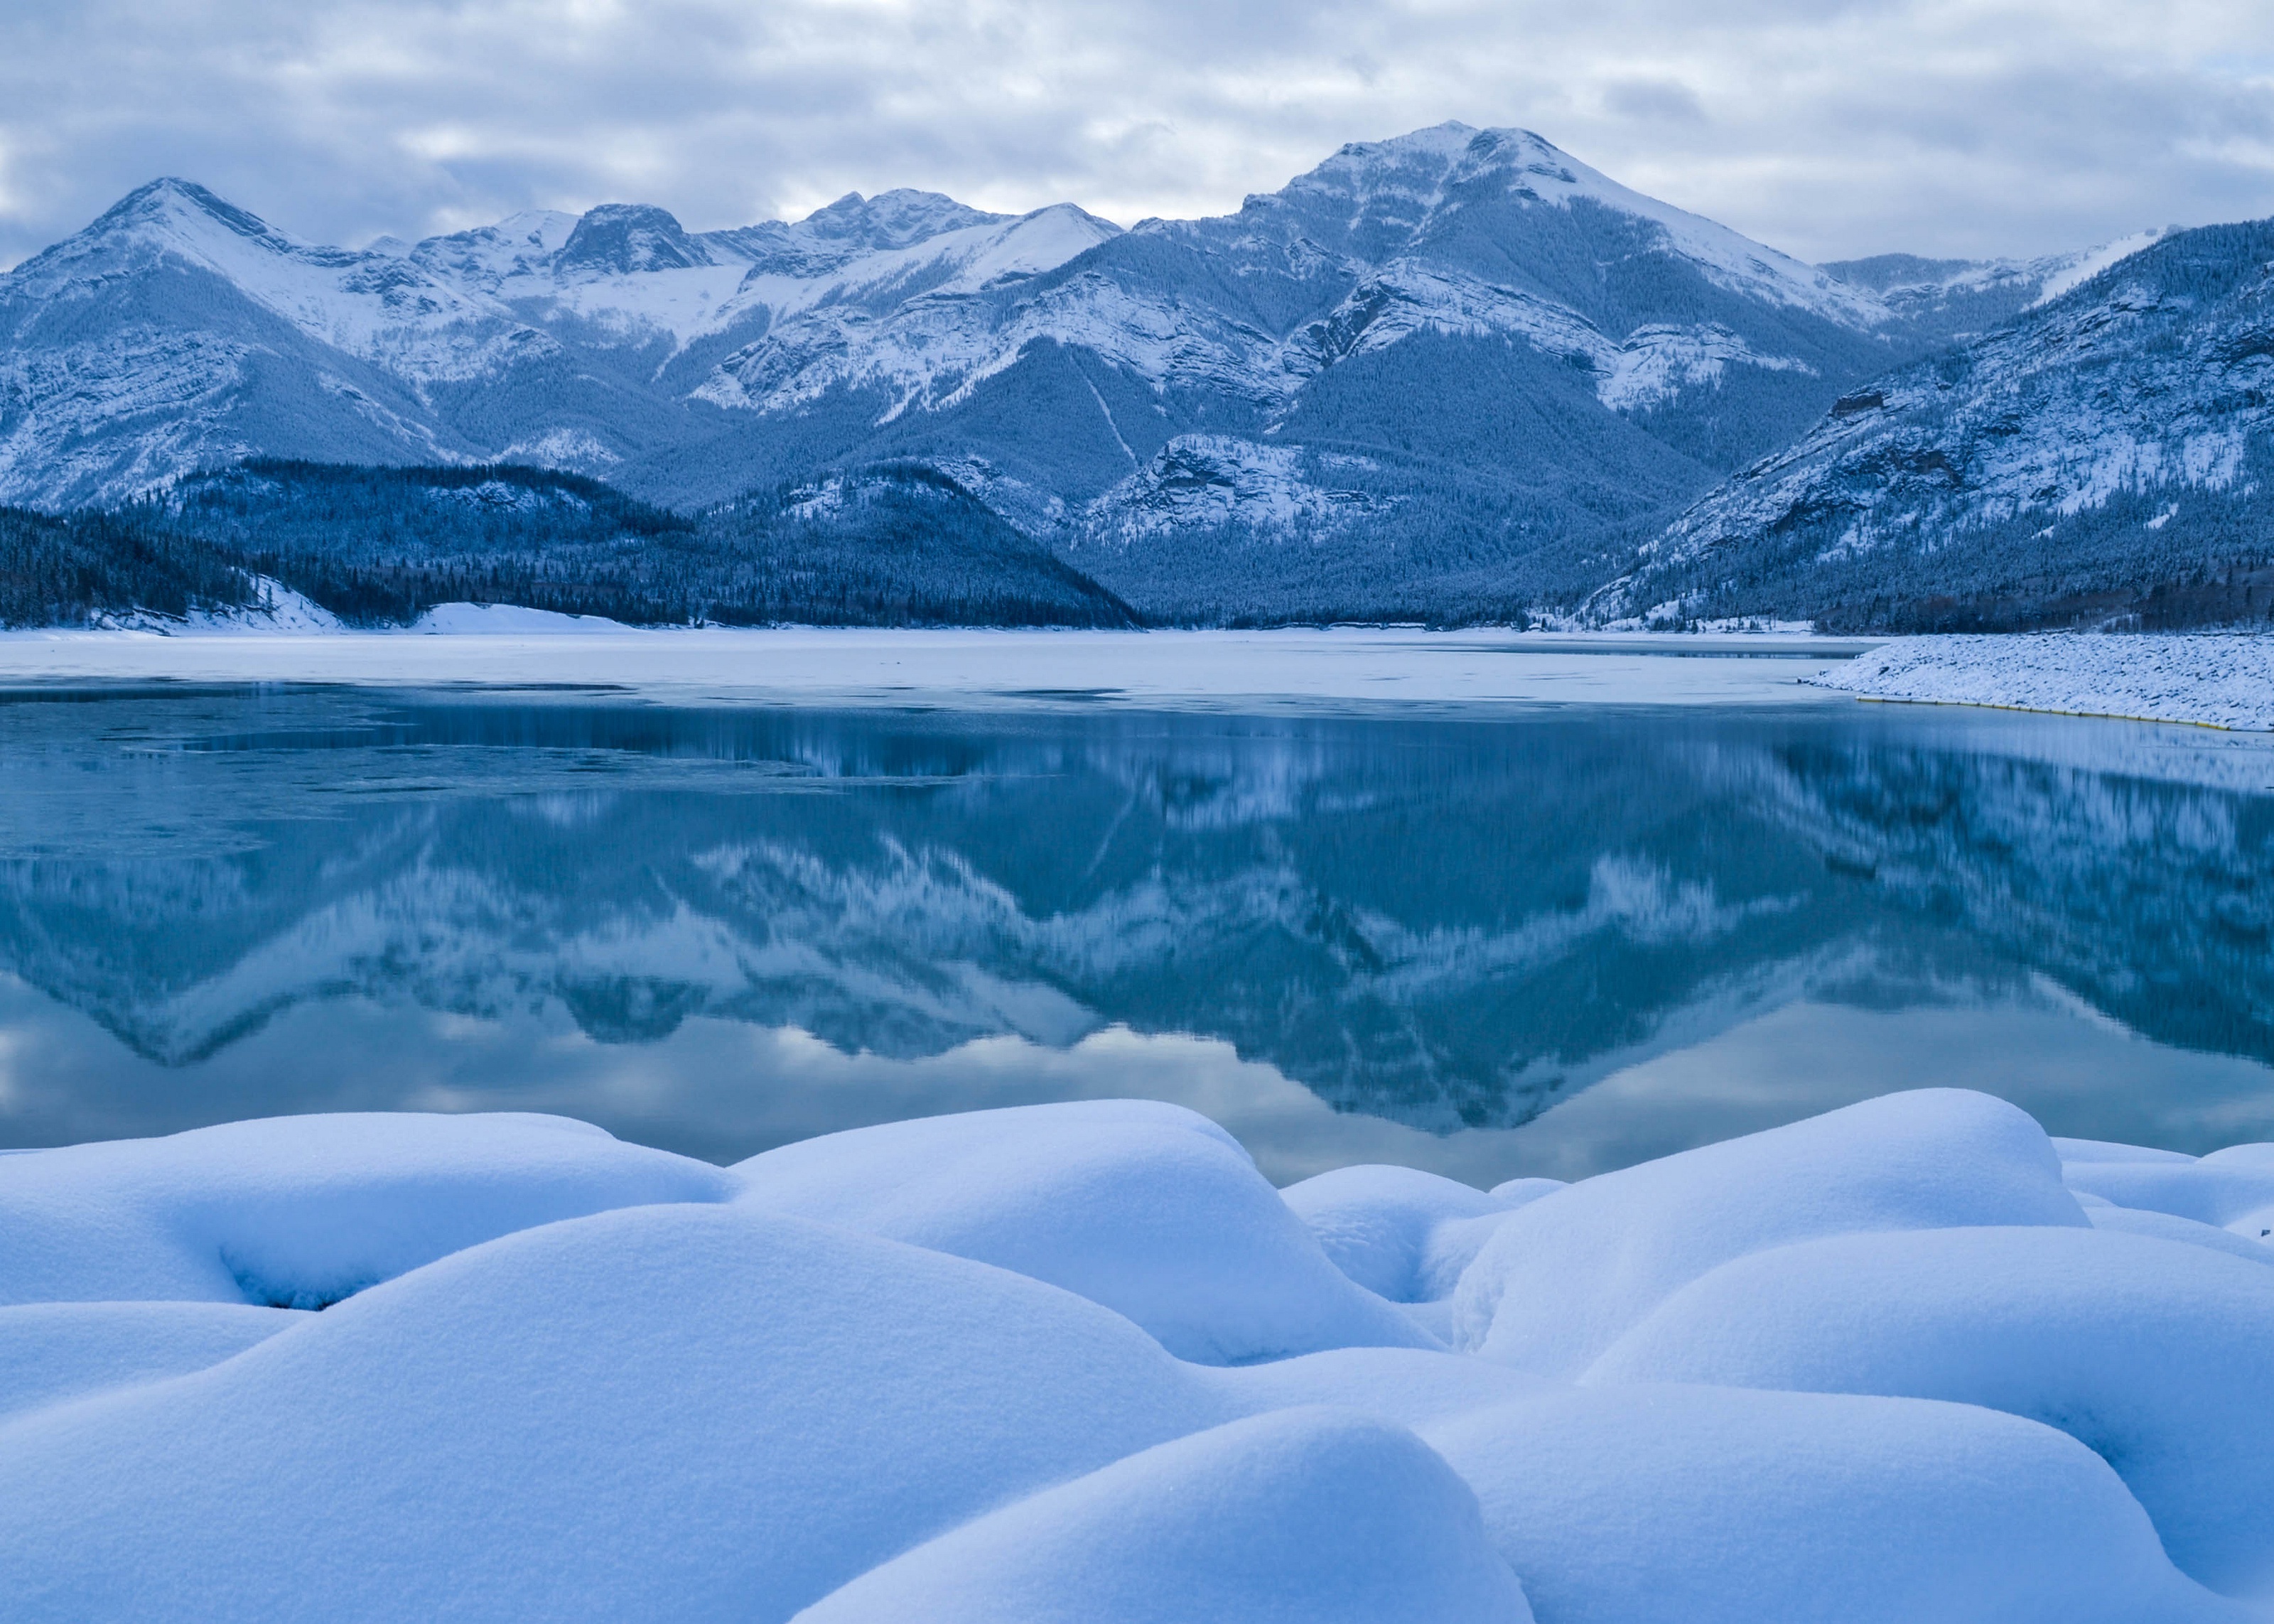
(1341,669)
(1490,906)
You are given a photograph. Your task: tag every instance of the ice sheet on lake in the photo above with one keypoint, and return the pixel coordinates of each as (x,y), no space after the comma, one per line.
(1336,669)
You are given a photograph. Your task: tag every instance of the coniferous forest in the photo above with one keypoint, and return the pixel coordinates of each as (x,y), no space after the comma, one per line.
(378,546)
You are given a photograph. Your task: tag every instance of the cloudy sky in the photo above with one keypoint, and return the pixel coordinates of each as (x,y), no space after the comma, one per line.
(1827,129)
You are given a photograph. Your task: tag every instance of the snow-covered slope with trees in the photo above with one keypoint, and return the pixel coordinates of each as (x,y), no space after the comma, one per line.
(2101,458)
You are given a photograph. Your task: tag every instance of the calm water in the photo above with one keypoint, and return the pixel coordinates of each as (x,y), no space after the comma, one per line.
(1545,943)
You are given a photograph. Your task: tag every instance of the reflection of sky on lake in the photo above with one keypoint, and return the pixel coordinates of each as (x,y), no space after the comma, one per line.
(1550,944)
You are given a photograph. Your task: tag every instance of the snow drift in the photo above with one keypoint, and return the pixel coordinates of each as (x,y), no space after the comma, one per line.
(1910,1359)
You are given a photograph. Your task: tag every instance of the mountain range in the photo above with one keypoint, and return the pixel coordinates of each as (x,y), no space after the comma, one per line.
(1456,374)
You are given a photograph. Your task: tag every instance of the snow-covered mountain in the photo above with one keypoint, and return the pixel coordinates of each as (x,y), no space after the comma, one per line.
(177,332)
(2103,456)
(1467,329)
(1964,298)
(1455,372)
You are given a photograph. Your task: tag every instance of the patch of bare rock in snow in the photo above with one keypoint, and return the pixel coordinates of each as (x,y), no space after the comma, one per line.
(2211,680)
(1911,1359)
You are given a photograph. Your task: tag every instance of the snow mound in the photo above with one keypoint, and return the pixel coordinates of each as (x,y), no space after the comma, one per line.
(1308,1516)
(673,1413)
(2215,680)
(1081,1362)
(1401,1233)
(2164,1225)
(1561,1279)
(53,1351)
(509,620)
(2231,1189)
(296,1212)
(1150,1209)
(1409,1386)
(2046,1323)
(1670,1505)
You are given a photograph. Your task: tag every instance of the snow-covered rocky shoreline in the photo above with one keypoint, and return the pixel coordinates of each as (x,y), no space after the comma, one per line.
(1911,1359)
(2210,679)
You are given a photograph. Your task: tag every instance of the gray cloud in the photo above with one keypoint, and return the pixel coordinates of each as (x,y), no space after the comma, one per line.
(1936,126)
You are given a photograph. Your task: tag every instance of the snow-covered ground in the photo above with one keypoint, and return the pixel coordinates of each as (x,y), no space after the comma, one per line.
(1347,668)
(2216,681)
(1909,1360)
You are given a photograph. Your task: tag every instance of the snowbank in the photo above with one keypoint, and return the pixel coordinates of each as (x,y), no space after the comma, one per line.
(1401,1233)
(2231,1189)
(512,621)
(1310,1516)
(52,1351)
(2156,1356)
(1150,1209)
(671,1413)
(1669,1505)
(1909,1360)
(2218,680)
(1565,1276)
(296,1212)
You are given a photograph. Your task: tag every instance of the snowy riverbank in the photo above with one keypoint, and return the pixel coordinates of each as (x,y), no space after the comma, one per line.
(2218,680)
(1909,1360)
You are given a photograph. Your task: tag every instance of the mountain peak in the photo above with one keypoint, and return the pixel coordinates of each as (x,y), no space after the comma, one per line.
(624,238)
(181,206)
(892,219)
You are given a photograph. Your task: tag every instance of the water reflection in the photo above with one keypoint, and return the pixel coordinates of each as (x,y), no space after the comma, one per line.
(1539,944)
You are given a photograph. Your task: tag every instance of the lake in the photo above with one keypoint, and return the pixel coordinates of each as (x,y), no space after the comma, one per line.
(1546,941)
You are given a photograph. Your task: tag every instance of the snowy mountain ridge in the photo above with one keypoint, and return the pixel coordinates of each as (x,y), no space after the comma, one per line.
(2110,439)
(1519,353)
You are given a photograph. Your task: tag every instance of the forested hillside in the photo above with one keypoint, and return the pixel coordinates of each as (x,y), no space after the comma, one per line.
(378,546)
(2104,459)
(71,570)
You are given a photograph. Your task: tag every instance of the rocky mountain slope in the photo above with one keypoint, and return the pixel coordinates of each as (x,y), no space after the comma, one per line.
(1456,363)
(2100,459)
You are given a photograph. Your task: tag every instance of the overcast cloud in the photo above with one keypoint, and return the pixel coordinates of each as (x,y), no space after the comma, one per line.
(1830,129)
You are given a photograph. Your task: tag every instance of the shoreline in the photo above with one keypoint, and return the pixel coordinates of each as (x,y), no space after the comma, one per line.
(2221,680)
(1365,670)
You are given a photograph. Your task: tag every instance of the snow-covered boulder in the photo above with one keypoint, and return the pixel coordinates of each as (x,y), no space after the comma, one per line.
(1150,1209)
(672,1412)
(2231,1189)
(1675,1505)
(1562,1278)
(1410,1385)
(1304,1516)
(2138,1221)
(1881,1365)
(2159,1357)
(1403,1234)
(296,1212)
(54,1351)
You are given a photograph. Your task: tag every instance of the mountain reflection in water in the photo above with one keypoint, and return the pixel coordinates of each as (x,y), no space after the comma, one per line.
(1545,943)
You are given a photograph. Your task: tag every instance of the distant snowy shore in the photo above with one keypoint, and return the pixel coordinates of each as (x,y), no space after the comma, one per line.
(1359,669)
(2215,680)
(1909,1360)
